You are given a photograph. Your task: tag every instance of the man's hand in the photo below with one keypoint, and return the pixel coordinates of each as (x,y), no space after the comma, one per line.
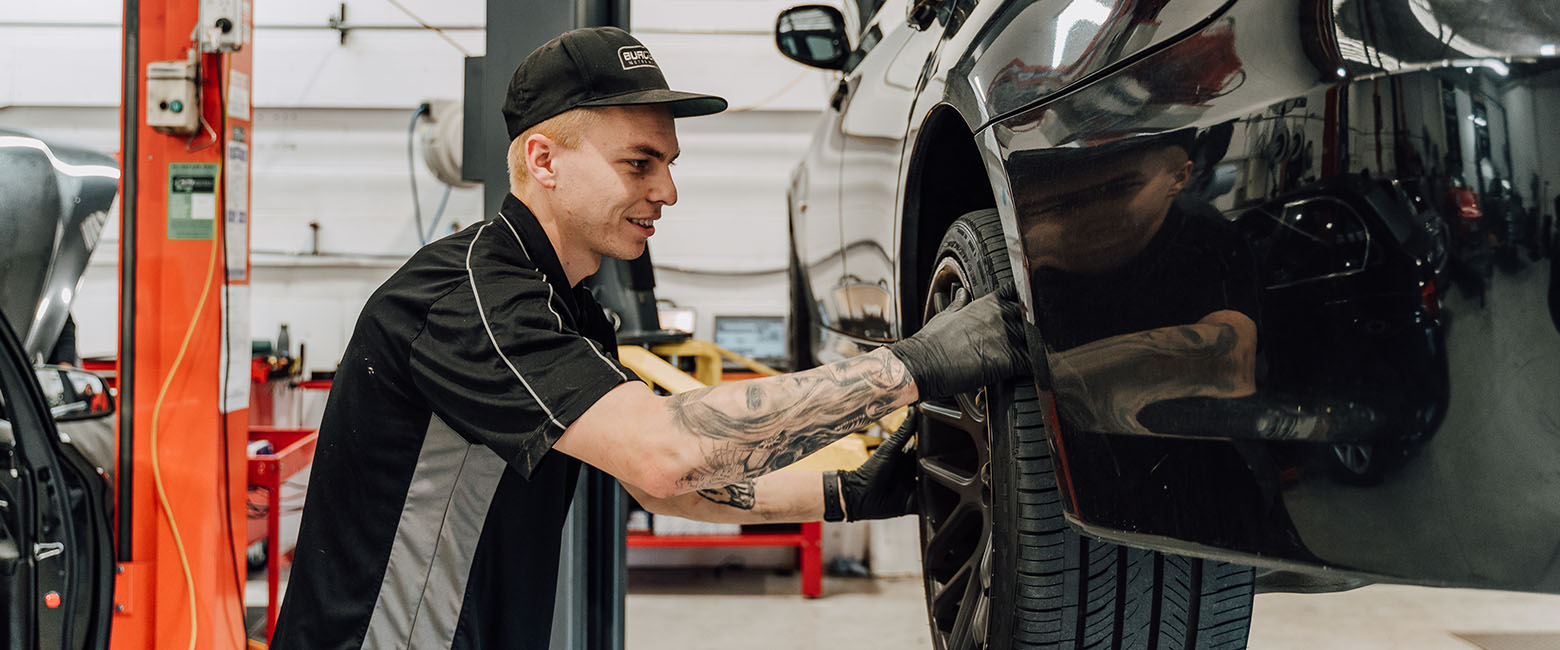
(967,346)
(881,488)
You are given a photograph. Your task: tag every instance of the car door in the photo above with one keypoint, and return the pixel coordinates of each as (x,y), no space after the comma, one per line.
(816,221)
(875,116)
(55,572)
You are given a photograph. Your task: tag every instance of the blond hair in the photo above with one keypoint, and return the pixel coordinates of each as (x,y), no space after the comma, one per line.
(565,129)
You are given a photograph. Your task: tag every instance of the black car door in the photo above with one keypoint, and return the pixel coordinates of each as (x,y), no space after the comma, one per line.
(55,575)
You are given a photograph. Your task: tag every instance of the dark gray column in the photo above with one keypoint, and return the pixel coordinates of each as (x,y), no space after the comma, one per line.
(592,571)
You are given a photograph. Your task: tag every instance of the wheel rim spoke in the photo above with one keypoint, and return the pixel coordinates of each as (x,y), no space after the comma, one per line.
(945,602)
(947,552)
(947,475)
(949,416)
(955,466)
(981,619)
(945,413)
(967,626)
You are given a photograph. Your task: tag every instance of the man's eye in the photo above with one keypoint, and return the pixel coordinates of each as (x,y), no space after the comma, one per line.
(638,164)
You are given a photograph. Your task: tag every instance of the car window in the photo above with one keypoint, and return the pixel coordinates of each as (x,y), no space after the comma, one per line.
(868,8)
(1304,241)
(869,40)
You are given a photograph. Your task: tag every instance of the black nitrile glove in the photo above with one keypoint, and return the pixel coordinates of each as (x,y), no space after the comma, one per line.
(967,346)
(882,487)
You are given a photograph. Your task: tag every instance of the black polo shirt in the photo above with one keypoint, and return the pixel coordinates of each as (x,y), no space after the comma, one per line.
(434,510)
(1196,264)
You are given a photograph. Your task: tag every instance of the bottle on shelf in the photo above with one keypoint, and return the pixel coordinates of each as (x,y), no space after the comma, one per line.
(283,344)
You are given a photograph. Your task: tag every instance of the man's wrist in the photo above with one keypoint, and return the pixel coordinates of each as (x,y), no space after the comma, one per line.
(897,365)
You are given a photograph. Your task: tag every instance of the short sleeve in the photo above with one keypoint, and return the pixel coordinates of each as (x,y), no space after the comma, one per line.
(500,360)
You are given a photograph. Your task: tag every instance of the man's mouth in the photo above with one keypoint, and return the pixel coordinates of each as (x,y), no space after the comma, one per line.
(643,223)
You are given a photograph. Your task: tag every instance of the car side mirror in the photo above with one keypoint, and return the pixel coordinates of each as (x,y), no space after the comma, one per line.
(74,394)
(813,35)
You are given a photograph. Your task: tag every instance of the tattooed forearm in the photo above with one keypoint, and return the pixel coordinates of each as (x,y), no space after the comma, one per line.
(1101,386)
(737,495)
(751,428)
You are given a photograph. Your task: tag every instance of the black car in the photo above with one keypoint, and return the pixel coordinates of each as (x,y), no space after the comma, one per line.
(55,578)
(1290,266)
(56,423)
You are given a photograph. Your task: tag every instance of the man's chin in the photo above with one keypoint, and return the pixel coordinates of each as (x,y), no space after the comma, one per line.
(627,253)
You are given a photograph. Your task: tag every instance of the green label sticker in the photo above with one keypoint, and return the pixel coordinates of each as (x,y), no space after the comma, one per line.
(192,200)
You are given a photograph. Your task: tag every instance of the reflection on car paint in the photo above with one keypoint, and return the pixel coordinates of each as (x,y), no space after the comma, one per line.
(1382,241)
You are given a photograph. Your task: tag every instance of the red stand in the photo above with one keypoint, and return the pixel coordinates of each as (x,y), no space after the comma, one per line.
(294,451)
(809,542)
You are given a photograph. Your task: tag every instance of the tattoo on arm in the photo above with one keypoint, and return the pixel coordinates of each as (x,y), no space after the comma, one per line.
(763,425)
(1103,385)
(737,495)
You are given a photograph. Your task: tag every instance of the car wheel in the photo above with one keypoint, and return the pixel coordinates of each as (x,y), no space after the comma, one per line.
(1001,567)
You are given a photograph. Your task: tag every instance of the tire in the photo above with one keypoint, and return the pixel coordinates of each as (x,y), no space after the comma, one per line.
(1001,567)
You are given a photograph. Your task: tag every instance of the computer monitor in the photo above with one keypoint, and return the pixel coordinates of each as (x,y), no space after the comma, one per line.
(761,338)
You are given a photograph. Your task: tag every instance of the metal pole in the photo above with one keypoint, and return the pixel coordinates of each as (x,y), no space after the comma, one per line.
(130,111)
(588,613)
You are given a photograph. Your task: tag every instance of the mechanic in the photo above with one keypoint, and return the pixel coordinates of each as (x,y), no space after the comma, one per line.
(435,508)
(1147,295)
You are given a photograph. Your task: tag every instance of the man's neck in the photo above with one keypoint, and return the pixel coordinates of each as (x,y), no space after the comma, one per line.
(578,263)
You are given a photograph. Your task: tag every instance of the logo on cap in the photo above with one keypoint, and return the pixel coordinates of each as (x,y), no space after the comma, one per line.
(636,56)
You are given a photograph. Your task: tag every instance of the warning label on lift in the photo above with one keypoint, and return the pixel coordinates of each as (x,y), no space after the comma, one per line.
(235,229)
(192,200)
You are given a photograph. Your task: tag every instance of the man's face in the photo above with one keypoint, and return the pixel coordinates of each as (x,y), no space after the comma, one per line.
(612,186)
(1095,217)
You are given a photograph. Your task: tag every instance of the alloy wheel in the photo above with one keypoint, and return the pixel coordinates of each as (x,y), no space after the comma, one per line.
(956,499)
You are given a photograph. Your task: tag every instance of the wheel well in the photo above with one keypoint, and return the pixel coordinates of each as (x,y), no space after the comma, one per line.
(944,161)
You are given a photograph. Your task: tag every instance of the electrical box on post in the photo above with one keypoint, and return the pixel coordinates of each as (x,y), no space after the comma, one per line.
(172,104)
(222,27)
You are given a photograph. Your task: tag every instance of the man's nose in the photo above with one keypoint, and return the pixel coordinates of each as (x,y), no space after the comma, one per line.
(663,190)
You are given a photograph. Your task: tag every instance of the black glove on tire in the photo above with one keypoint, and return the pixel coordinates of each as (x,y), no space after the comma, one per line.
(883,487)
(967,346)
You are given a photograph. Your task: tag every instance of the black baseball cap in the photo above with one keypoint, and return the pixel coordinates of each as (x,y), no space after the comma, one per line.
(593,66)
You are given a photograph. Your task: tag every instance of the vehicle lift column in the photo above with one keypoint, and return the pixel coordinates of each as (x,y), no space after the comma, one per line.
(592,574)
(184,330)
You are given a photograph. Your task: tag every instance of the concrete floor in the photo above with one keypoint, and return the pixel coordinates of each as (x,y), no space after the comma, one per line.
(701,609)
(738,609)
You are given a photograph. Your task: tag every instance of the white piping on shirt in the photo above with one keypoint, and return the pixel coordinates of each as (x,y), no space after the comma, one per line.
(528,257)
(473,278)
(588,341)
(613,366)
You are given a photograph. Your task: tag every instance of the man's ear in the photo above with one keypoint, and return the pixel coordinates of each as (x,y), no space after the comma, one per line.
(1182,175)
(539,159)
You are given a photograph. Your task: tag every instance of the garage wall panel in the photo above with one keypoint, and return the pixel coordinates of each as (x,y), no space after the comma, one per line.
(330,148)
(80,67)
(746,69)
(459,13)
(310,167)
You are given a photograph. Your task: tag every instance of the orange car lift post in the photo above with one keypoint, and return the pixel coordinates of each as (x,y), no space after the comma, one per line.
(179,518)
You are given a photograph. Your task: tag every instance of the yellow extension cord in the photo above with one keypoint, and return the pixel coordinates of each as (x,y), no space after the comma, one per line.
(162,494)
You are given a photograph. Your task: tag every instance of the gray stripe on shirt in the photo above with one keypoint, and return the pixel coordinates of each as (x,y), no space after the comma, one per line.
(435,542)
